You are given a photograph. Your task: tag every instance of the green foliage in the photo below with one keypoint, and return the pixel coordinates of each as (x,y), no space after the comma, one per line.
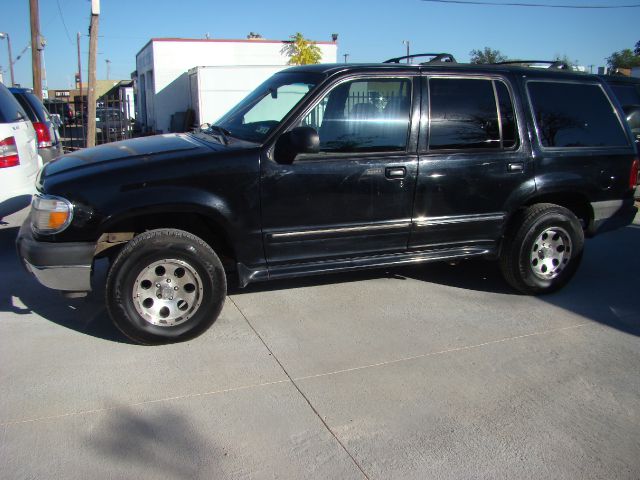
(623,59)
(301,51)
(486,55)
(636,50)
(564,59)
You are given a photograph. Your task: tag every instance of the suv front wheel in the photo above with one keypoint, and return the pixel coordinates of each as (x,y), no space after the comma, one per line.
(165,286)
(542,249)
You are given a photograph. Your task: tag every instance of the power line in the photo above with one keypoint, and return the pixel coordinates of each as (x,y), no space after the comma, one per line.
(66,31)
(540,5)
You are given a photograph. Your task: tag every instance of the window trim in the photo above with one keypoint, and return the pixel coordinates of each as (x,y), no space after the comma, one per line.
(536,127)
(491,78)
(410,141)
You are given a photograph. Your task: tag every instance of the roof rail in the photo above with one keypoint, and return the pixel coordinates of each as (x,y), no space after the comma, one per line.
(436,58)
(553,64)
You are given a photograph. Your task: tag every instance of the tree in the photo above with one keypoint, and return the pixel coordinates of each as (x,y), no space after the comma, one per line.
(564,59)
(487,55)
(623,59)
(636,51)
(301,51)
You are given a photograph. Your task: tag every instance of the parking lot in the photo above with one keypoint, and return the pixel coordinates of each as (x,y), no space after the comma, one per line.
(435,371)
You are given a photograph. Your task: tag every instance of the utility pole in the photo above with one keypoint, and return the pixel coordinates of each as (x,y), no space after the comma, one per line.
(345,55)
(79,77)
(91,93)
(36,47)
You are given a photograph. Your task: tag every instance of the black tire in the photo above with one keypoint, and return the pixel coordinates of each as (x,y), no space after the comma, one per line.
(535,265)
(206,287)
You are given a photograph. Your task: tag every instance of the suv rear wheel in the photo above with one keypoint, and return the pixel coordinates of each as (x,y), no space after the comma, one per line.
(165,286)
(542,250)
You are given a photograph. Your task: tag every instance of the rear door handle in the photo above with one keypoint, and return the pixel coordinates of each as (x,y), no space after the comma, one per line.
(395,172)
(515,167)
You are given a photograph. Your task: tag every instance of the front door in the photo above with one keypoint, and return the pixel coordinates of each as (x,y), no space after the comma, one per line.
(355,196)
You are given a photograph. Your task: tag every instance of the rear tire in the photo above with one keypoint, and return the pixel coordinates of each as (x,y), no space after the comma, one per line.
(165,286)
(542,250)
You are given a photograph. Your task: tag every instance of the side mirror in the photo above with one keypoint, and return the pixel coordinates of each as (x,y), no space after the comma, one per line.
(296,141)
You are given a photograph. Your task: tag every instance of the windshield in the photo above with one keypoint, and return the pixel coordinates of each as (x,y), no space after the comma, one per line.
(263,110)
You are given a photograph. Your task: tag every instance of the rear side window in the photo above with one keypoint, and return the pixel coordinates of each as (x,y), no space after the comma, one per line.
(470,113)
(22,100)
(570,115)
(10,109)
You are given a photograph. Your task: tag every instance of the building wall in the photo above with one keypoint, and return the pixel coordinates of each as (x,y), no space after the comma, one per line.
(165,64)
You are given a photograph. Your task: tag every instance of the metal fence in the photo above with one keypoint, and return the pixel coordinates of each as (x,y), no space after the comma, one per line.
(114,121)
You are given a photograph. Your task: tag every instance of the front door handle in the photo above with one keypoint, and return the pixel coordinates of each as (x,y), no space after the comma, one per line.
(395,172)
(516,167)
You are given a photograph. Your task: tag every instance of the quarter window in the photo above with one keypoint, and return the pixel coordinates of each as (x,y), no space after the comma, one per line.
(574,115)
(363,116)
(464,114)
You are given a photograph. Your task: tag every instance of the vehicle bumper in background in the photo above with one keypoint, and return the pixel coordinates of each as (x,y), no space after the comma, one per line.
(50,153)
(611,215)
(60,266)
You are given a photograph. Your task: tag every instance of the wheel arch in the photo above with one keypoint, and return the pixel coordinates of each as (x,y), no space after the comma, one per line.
(208,224)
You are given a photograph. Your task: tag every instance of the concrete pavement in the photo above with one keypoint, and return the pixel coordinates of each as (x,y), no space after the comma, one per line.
(432,372)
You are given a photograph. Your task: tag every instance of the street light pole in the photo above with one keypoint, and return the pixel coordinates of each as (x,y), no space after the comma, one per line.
(345,55)
(406,42)
(6,35)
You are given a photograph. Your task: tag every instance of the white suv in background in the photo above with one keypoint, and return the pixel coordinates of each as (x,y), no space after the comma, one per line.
(19,159)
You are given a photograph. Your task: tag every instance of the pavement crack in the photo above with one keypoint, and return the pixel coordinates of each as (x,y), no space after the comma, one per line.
(306,399)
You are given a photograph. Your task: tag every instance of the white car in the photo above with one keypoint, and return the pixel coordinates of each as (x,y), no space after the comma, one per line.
(19,159)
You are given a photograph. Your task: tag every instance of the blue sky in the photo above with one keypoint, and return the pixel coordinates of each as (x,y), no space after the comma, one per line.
(369,31)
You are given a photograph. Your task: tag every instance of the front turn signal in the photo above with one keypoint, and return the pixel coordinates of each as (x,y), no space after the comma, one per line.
(50,214)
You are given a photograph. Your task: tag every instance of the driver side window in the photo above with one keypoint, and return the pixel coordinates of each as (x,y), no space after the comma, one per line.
(369,115)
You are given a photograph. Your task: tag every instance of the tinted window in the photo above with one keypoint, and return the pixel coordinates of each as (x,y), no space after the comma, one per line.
(37,106)
(574,115)
(363,115)
(464,114)
(10,109)
(627,94)
(22,100)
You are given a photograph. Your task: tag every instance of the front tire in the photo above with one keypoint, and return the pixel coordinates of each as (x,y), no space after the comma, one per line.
(165,286)
(542,250)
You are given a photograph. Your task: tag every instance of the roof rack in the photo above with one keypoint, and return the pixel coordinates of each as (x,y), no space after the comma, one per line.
(436,58)
(553,64)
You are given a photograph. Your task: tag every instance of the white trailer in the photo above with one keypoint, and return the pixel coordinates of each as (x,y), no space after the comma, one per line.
(215,90)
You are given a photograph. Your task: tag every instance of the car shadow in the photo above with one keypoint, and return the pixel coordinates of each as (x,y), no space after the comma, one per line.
(21,294)
(605,288)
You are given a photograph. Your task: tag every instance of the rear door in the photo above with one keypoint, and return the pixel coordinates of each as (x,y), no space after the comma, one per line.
(472,161)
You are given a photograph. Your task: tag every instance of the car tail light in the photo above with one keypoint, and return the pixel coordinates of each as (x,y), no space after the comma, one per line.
(9,153)
(633,177)
(44,136)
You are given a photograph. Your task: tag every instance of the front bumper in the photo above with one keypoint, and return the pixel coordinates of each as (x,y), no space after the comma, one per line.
(60,266)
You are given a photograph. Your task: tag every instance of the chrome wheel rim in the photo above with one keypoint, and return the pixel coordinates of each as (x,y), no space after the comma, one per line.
(167,292)
(550,253)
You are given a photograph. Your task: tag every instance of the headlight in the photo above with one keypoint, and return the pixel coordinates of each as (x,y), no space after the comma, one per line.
(50,214)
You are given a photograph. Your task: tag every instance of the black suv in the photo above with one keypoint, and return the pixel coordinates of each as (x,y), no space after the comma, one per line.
(329,168)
